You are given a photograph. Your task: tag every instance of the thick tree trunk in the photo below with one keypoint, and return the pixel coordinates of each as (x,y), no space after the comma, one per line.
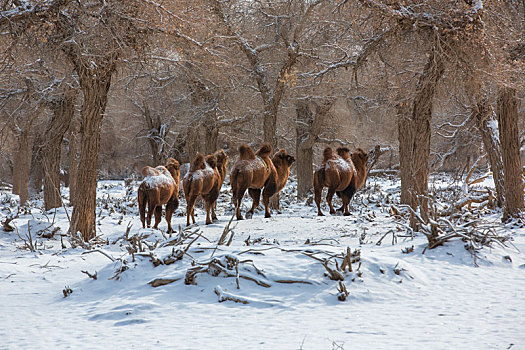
(73,159)
(36,174)
(193,141)
(21,167)
(308,128)
(156,136)
(305,171)
(303,149)
(507,111)
(488,128)
(63,112)
(270,125)
(211,143)
(95,89)
(414,136)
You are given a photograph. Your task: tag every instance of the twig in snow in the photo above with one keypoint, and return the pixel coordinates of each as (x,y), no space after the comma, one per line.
(101,252)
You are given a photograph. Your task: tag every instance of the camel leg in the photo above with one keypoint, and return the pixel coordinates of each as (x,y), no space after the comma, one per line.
(255,193)
(329,197)
(170,208)
(207,206)
(213,215)
(341,195)
(317,196)
(266,203)
(345,200)
(142,211)
(193,213)
(158,216)
(151,209)
(238,200)
(189,210)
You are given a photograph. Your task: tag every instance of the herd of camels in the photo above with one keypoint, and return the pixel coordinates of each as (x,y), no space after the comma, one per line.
(342,172)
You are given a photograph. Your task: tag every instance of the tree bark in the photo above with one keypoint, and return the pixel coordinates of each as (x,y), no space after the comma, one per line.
(63,111)
(211,143)
(193,140)
(36,174)
(73,159)
(95,87)
(507,111)
(157,132)
(414,136)
(308,129)
(21,167)
(488,128)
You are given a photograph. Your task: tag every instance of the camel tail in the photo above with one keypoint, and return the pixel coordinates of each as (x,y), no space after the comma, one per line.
(233,182)
(246,152)
(265,150)
(145,201)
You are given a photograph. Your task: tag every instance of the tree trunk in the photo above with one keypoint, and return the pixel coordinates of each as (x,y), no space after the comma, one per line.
(305,171)
(193,141)
(63,112)
(488,128)
(211,143)
(308,128)
(95,88)
(507,111)
(36,175)
(414,136)
(303,150)
(156,136)
(73,159)
(270,125)
(21,167)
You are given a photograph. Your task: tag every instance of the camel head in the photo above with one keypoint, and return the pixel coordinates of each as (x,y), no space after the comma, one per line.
(282,159)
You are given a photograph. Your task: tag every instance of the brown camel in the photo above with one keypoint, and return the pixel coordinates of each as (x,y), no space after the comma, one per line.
(359,159)
(222,162)
(256,172)
(341,175)
(160,186)
(201,180)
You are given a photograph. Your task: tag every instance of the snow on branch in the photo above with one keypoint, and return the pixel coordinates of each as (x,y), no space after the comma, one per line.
(29,12)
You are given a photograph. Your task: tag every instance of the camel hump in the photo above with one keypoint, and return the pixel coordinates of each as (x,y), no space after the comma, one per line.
(221,156)
(343,152)
(172,162)
(198,162)
(211,160)
(265,150)
(328,153)
(149,171)
(246,152)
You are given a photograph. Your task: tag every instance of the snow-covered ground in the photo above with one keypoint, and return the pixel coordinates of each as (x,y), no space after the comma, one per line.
(397,299)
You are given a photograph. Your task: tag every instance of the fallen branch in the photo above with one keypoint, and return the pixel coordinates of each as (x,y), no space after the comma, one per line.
(94,276)
(223,296)
(163,281)
(101,252)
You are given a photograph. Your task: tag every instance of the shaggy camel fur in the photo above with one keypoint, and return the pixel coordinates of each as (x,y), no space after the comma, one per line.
(203,180)
(222,162)
(341,175)
(359,159)
(160,186)
(256,172)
